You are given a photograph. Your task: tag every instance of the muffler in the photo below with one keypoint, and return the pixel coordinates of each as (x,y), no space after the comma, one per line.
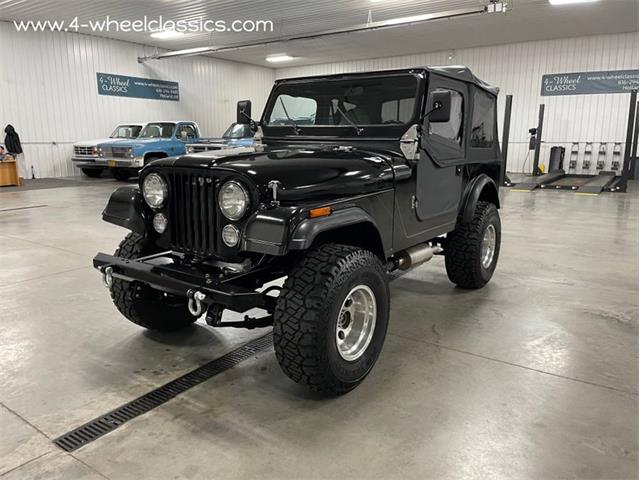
(414,256)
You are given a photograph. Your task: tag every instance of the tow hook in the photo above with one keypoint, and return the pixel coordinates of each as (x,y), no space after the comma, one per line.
(195,305)
(107,277)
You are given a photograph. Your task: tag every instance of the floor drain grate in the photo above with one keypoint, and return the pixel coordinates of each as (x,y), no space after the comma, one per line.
(108,422)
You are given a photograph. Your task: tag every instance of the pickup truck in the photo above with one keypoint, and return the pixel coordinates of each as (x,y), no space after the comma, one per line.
(157,140)
(85,153)
(237,135)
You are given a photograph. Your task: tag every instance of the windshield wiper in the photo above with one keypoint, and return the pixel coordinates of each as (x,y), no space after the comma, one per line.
(296,128)
(359,130)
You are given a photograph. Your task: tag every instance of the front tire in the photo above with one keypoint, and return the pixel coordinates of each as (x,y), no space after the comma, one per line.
(142,304)
(472,249)
(331,318)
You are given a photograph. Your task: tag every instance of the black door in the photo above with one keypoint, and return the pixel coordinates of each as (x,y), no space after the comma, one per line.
(439,179)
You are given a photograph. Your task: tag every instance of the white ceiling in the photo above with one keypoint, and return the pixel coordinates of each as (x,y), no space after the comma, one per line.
(527,20)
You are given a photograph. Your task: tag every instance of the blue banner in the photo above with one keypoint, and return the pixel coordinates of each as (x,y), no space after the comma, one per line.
(589,83)
(136,87)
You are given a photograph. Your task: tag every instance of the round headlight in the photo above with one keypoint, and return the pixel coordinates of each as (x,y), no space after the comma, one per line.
(160,222)
(230,235)
(154,190)
(189,149)
(233,200)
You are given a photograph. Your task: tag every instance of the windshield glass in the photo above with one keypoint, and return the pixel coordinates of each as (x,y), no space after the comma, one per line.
(158,130)
(126,131)
(238,130)
(342,102)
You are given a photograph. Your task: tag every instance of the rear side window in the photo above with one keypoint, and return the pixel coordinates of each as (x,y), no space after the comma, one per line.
(483,120)
(451,130)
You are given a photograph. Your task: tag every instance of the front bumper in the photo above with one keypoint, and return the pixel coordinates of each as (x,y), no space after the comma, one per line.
(136,162)
(185,281)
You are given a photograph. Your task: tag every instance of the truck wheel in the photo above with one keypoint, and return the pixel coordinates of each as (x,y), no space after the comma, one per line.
(92,172)
(331,318)
(121,174)
(472,249)
(142,304)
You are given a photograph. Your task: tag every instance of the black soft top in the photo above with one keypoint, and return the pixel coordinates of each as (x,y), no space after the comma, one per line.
(456,72)
(460,72)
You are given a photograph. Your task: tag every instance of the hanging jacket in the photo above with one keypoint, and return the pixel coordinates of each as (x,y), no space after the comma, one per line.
(12,140)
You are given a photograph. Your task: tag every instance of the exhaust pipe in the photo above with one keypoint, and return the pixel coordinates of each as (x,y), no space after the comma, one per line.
(414,256)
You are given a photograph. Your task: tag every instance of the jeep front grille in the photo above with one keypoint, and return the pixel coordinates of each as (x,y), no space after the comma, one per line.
(192,207)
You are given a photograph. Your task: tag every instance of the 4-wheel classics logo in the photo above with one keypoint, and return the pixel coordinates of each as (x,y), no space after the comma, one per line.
(137,87)
(589,83)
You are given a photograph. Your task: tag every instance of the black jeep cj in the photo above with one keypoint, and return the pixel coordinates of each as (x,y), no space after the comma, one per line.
(352,176)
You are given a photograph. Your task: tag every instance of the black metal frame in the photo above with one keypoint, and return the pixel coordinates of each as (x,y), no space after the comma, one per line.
(228,291)
(506,129)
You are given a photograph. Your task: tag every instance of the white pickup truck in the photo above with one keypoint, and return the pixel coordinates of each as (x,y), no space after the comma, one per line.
(85,153)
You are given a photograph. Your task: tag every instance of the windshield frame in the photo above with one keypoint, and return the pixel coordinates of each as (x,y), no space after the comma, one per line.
(344,131)
(126,125)
(173,131)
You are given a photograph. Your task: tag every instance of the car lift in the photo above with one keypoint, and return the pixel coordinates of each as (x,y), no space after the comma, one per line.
(558,179)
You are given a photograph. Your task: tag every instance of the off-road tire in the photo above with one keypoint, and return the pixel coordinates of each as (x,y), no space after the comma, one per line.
(463,248)
(307,311)
(92,172)
(142,304)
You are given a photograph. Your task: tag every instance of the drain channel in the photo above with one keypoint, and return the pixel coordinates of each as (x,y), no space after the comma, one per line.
(108,422)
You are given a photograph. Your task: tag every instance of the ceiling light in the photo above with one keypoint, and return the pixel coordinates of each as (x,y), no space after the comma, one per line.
(283,57)
(415,18)
(167,34)
(570,2)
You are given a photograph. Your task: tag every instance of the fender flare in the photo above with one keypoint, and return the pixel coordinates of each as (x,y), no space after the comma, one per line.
(307,230)
(473,192)
(126,209)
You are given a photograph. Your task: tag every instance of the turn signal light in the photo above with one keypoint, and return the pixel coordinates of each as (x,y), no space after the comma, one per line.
(320,212)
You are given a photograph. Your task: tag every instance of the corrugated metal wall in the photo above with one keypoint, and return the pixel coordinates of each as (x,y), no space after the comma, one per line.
(48,92)
(517,69)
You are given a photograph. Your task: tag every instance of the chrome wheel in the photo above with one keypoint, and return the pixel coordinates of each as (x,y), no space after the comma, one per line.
(488,246)
(356,323)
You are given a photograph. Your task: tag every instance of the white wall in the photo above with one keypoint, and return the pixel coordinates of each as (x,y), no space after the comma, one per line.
(48,92)
(517,69)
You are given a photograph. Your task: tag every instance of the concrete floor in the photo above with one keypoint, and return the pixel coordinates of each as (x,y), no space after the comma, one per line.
(535,376)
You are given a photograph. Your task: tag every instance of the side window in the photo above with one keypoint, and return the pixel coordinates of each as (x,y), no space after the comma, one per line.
(483,120)
(451,130)
(189,130)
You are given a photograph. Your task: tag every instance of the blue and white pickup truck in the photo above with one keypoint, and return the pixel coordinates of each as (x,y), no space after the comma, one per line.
(85,153)
(157,140)
(237,135)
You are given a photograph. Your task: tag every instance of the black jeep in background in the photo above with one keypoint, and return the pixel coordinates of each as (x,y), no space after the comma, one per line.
(352,176)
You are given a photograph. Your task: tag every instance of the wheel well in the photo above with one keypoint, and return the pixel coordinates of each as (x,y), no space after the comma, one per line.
(489,194)
(364,235)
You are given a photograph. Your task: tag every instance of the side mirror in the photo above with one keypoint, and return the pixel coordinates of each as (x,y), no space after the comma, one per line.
(440,107)
(243,112)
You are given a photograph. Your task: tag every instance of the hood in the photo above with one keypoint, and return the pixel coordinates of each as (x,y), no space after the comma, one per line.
(304,173)
(91,143)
